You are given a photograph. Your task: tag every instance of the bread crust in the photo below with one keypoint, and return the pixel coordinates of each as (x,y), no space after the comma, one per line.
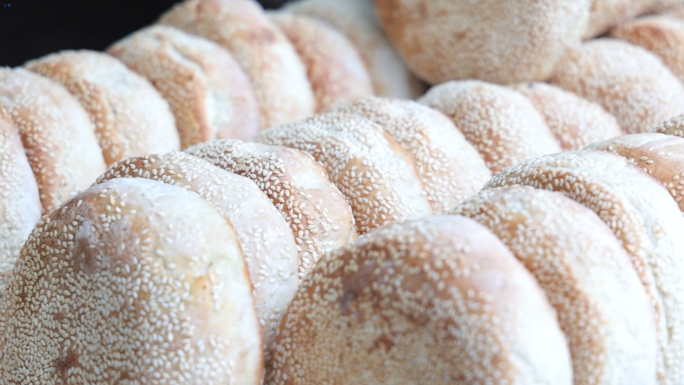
(586,275)
(378,178)
(436,300)
(115,287)
(501,124)
(643,216)
(209,94)
(56,132)
(318,215)
(278,75)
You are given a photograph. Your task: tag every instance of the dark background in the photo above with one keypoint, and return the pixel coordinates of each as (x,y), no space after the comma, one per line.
(32,28)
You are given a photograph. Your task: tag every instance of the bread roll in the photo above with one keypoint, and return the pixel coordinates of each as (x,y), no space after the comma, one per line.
(19,198)
(659,155)
(358,21)
(268,58)
(586,275)
(438,300)
(319,217)
(609,13)
(333,64)
(131,281)
(267,242)
(643,216)
(500,123)
(662,35)
(496,41)
(378,178)
(59,139)
(574,121)
(450,168)
(673,126)
(130,116)
(209,94)
(628,81)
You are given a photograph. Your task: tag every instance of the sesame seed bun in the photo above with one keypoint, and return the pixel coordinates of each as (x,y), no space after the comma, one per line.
(673,126)
(130,116)
(333,64)
(438,300)
(574,121)
(643,216)
(116,287)
(358,21)
(267,243)
(209,94)
(659,155)
(20,207)
(378,178)
(57,134)
(500,123)
(268,58)
(496,41)
(319,217)
(628,81)
(662,35)
(450,168)
(602,307)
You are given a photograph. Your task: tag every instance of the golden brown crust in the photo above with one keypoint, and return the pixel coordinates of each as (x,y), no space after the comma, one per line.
(641,214)
(575,121)
(358,21)
(20,207)
(209,94)
(659,155)
(267,243)
(500,123)
(662,35)
(628,81)
(130,116)
(58,137)
(319,217)
(450,168)
(438,300)
(115,287)
(378,178)
(277,74)
(586,275)
(335,68)
(496,41)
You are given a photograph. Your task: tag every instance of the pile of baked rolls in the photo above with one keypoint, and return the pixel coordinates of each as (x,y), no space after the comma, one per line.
(240,196)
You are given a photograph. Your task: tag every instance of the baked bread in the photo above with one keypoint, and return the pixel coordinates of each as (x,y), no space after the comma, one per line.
(267,243)
(500,123)
(673,126)
(659,155)
(450,168)
(115,287)
(130,116)
(58,137)
(20,207)
(437,300)
(574,121)
(662,35)
(628,81)
(333,64)
(209,94)
(587,276)
(268,58)
(496,41)
(643,216)
(318,215)
(378,178)
(606,14)
(358,21)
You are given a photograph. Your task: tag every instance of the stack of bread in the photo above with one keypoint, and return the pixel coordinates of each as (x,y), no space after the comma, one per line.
(240,196)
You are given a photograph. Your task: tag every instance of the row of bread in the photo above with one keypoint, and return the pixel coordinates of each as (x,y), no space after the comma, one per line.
(233,261)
